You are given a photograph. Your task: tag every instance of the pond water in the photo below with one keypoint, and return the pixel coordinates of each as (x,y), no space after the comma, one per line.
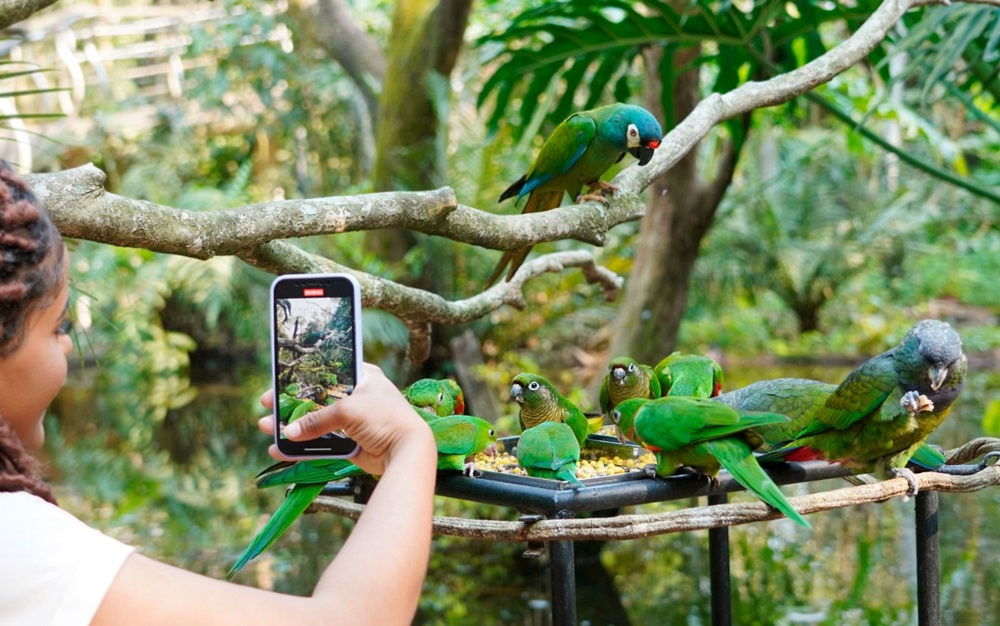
(169,466)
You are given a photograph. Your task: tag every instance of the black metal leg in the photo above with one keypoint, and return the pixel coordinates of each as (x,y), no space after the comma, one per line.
(718,568)
(563,573)
(928,560)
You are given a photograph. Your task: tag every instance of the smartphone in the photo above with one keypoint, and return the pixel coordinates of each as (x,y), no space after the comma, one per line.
(316,355)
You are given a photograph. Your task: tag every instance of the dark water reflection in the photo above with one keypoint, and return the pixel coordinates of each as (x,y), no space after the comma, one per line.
(177,482)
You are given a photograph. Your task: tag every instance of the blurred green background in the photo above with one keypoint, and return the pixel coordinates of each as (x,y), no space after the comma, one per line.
(824,249)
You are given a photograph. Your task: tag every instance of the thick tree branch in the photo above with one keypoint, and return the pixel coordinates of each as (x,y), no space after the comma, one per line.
(83,209)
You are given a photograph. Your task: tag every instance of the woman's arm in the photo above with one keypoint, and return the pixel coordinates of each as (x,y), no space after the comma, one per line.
(377,575)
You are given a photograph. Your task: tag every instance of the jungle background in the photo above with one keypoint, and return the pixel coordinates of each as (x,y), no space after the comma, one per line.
(795,240)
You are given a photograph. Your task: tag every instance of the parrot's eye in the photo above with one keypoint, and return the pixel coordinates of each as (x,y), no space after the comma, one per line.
(533,385)
(615,415)
(440,397)
(631,367)
(493,433)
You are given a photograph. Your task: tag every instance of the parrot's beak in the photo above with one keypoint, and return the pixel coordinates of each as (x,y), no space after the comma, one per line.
(621,436)
(517,393)
(618,373)
(644,151)
(937,374)
(491,450)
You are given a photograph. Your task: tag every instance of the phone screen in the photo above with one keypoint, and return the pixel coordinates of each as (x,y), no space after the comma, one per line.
(316,343)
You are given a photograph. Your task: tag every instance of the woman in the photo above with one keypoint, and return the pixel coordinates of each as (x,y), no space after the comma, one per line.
(57,570)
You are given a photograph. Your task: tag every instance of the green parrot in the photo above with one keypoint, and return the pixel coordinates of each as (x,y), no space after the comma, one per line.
(883,411)
(440,397)
(577,153)
(704,435)
(626,378)
(540,402)
(800,399)
(457,437)
(549,450)
(689,375)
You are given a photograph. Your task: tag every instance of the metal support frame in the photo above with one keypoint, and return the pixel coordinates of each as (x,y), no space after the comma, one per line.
(718,569)
(928,559)
(552,499)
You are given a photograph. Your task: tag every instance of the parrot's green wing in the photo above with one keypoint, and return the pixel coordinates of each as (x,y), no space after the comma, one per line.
(560,152)
(298,499)
(453,436)
(863,391)
(549,450)
(671,423)
(735,456)
(655,390)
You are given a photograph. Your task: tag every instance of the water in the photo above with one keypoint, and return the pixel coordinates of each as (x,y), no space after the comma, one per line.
(177,483)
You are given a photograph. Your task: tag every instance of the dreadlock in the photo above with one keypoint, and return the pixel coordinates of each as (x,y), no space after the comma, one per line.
(29,279)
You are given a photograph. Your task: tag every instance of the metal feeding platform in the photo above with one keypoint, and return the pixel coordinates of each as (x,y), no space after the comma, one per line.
(538,498)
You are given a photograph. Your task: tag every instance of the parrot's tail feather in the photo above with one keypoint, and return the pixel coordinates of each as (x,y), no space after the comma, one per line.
(514,189)
(297,501)
(736,457)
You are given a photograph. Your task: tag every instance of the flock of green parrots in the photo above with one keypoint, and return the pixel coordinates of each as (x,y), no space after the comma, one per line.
(875,421)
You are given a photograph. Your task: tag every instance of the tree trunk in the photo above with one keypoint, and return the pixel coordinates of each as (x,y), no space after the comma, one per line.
(679,211)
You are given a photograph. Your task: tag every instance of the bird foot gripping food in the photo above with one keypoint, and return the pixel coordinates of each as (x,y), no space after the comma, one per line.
(915,402)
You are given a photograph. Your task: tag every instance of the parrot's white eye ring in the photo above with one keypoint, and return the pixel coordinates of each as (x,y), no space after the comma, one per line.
(615,416)
(533,385)
(632,136)
(631,367)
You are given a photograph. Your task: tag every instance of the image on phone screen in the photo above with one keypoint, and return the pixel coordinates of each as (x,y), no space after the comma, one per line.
(314,352)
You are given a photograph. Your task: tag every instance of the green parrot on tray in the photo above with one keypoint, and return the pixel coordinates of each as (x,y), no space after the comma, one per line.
(627,378)
(442,397)
(883,411)
(457,437)
(704,435)
(577,153)
(550,450)
(689,375)
(540,402)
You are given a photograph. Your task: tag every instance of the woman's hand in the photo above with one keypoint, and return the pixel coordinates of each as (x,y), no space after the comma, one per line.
(375,415)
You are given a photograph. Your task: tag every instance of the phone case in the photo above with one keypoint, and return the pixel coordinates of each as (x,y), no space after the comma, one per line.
(316,354)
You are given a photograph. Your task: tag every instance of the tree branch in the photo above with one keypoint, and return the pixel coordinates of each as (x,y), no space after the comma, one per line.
(13,11)
(82,208)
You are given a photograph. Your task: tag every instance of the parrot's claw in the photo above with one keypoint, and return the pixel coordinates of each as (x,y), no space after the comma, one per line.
(602,186)
(587,197)
(915,403)
(470,470)
(911,479)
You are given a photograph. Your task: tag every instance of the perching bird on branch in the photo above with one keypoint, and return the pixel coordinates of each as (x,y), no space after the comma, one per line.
(884,410)
(705,436)
(577,153)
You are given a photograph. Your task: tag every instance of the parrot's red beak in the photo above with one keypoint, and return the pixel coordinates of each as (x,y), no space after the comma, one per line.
(653,143)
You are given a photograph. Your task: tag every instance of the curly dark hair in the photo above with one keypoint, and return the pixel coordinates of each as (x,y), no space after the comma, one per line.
(31,264)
